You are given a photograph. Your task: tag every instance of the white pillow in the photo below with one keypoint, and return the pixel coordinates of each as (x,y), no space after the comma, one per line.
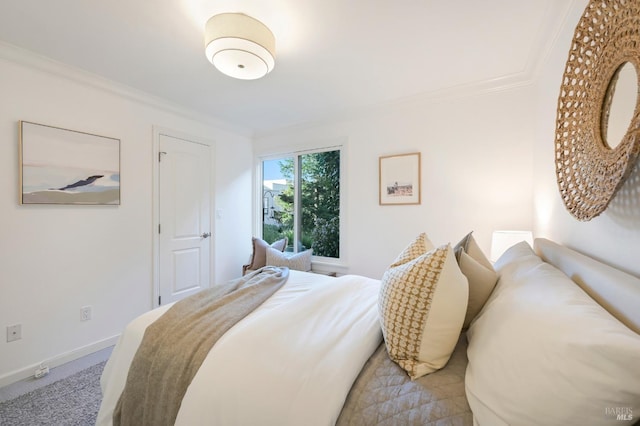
(517,256)
(542,352)
(422,306)
(298,261)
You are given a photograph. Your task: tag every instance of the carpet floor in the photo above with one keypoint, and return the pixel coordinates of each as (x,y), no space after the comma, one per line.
(72,401)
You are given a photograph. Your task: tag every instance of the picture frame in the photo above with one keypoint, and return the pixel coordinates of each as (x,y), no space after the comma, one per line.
(62,166)
(399,179)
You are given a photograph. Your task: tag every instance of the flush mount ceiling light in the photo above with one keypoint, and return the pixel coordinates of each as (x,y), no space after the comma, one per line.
(240,46)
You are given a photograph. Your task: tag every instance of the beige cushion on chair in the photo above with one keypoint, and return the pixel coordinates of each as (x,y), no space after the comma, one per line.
(298,261)
(259,255)
(422,307)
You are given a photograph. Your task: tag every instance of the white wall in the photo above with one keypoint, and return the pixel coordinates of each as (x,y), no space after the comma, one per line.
(56,259)
(476,171)
(614,236)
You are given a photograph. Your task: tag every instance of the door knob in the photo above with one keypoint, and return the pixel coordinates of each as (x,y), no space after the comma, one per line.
(206,235)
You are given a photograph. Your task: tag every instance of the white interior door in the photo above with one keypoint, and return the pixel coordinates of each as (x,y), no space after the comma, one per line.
(184,218)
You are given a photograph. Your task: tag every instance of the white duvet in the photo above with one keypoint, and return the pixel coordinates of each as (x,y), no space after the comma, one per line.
(290,362)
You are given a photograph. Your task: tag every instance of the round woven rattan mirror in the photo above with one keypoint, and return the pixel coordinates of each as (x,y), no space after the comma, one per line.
(589,170)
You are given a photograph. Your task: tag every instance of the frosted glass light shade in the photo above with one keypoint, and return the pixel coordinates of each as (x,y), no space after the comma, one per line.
(502,240)
(240,46)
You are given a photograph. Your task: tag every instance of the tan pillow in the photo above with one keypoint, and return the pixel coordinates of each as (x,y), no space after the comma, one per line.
(481,283)
(299,261)
(422,306)
(259,256)
(480,274)
(418,247)
(471,247)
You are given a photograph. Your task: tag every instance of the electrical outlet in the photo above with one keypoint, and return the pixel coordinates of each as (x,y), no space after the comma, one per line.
(85,313)
(14,332)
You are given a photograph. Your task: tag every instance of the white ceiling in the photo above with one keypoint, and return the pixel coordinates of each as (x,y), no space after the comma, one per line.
(333,57)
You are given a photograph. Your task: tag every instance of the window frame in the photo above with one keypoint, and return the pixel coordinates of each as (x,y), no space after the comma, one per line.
(319,263)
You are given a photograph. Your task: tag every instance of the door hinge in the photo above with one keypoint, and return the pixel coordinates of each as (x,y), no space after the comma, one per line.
(159,229)
(159,300)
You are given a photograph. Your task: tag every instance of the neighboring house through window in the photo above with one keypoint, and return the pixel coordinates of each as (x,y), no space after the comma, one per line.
(301,200)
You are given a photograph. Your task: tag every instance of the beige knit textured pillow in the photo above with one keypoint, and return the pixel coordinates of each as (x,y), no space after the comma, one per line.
(418,247)
(298,261)
(422,307)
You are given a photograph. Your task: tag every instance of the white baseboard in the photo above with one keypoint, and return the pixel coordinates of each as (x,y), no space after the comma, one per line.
(28,371)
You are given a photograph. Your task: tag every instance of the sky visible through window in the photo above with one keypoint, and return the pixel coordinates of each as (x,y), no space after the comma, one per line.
(271,170)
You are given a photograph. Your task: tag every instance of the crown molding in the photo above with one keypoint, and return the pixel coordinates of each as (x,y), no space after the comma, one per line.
(554,24)
(27,58)
(545,41)
(482,87)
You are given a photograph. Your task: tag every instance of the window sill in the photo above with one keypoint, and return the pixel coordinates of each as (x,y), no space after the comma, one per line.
(329,268)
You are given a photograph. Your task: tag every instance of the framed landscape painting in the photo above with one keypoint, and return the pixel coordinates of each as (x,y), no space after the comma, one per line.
(400,179)
(60,166)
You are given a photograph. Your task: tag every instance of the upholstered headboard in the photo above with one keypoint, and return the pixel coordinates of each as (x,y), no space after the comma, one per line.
(615,290)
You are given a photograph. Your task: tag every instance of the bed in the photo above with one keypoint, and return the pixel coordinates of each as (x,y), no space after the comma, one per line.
(554,341)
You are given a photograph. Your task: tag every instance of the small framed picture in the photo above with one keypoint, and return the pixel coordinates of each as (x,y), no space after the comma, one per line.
(400,179)
(61,166)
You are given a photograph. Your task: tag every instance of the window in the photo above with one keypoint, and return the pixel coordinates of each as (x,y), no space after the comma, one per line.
(301,201)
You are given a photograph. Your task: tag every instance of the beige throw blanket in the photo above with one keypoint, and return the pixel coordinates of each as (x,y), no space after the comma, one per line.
(174,346)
